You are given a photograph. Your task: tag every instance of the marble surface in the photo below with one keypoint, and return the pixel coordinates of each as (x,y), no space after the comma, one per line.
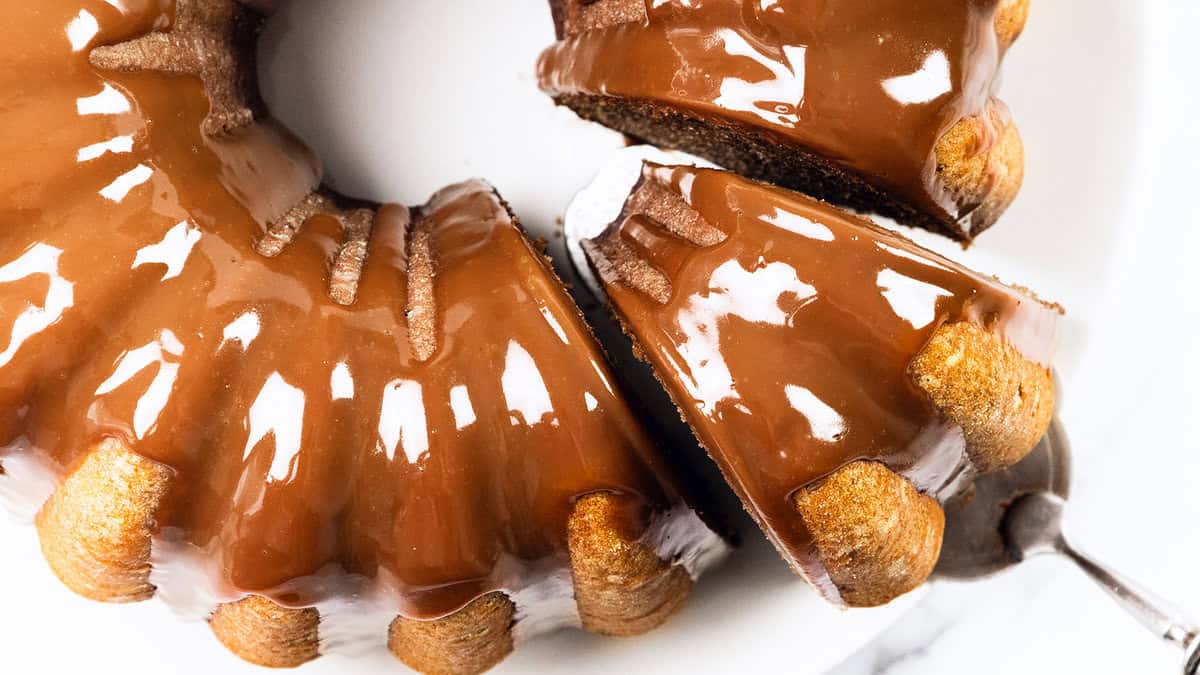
(1105,91)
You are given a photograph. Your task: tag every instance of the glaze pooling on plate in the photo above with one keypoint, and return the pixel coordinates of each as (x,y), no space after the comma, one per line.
(870,86)
(337,416)
(786,330)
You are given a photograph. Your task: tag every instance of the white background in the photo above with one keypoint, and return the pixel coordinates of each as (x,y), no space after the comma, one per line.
(402,97)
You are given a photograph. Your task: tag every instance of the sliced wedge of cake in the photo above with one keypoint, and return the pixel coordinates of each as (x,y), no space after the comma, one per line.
(843,378)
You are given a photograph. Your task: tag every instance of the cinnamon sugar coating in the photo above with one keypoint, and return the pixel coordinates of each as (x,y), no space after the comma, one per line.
(1002,400)
(877,535)
(622,586)
(95,529)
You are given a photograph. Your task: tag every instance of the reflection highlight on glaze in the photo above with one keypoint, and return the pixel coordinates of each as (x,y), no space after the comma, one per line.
(82,30)
(40,259)
(402,421)
(117,146)
(910,256)
(163,354)
(460,404)
(928,83)
(777,94)
(341,383)
(554,324)
(824,422)
(120,188)
(798,224)
(172,251)
(753,295)
(108,102)
(242,330)
(278,413)
(913,300)
(524,388)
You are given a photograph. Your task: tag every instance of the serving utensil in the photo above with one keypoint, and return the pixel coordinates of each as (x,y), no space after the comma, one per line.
(1017,514)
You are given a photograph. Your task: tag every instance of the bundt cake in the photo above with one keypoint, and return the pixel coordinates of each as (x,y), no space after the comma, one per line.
(322,422)
(884,106)
(844,379)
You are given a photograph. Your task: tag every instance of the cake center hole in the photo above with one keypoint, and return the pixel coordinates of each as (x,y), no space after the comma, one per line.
(399,99)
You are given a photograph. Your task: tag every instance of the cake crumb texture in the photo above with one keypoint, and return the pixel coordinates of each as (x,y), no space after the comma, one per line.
(876,535)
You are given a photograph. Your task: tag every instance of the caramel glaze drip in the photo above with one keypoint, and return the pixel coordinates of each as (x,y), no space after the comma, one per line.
(869,86)
(425,408)
(785,328)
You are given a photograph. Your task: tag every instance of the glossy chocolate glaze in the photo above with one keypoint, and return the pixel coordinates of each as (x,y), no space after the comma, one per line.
(785,329)
(431,426)
(867,86)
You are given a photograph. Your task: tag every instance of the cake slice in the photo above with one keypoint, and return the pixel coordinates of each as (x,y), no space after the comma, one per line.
(883,106)
(844,379)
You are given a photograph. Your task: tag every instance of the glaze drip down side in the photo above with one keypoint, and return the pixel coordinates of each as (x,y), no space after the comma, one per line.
(338,389)
(786,329)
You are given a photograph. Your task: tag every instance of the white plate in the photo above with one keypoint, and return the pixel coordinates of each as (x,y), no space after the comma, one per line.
(401,99)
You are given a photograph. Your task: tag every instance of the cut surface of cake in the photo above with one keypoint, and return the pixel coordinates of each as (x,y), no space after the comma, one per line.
(320,423)
(844,379)
(883,106)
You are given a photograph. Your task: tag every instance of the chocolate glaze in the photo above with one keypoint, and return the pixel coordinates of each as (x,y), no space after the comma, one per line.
(785,329)
(867,86)
(432,425)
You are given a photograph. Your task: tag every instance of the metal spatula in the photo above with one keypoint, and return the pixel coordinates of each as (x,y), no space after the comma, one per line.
(1017,514)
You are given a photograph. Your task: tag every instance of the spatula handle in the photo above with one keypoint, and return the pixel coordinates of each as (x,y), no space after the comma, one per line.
(1150,610)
